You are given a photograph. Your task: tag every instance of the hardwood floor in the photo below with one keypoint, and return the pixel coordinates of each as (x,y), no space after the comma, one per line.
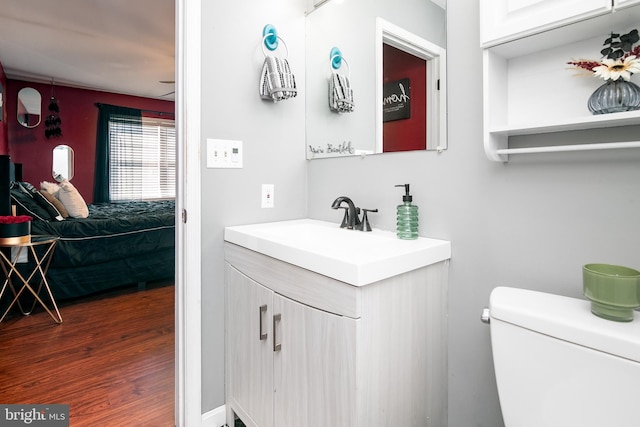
(111,360)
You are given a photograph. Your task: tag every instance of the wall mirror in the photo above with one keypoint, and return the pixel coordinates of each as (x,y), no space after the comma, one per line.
(63,159)
(413,28)
(29,107)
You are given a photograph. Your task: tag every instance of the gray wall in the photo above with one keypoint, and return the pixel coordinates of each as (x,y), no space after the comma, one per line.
(530,223)
(274,153)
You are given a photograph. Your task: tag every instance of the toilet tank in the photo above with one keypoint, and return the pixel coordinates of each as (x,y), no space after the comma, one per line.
(558,365)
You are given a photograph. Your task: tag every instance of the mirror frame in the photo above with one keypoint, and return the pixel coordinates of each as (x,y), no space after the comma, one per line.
(63,155)
(435,56)
(26,91)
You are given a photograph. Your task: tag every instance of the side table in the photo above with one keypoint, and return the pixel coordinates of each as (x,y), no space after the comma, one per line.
(9,264)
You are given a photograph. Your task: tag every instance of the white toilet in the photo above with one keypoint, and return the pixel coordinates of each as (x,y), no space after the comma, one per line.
(558,365)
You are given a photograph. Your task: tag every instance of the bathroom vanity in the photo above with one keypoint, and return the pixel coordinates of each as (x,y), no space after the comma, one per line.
(334,327)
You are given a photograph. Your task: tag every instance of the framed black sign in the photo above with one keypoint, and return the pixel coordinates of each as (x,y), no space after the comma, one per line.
(396,100)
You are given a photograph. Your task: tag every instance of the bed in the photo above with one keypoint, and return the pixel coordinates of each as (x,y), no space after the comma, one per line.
(117,245)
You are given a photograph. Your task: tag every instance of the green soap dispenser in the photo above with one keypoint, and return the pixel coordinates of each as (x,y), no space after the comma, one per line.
(407,225)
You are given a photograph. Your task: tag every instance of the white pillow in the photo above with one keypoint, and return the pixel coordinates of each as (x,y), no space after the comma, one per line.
(50,187)
(72,200)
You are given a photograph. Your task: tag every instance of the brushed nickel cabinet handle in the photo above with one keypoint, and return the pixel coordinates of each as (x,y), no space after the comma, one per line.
(263,309)
(276,318)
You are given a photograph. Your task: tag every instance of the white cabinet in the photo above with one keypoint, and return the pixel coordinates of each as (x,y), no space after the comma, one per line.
(314,367)
(285,359)
(529,89)
(506,20)
(250,372)
(619,4)
(372,355)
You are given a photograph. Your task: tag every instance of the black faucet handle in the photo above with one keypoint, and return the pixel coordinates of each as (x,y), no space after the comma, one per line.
(364,225)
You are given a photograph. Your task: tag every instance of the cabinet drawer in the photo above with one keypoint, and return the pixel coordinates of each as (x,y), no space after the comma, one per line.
(297,283)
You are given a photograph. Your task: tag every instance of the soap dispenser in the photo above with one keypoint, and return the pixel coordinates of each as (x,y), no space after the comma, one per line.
(407,225)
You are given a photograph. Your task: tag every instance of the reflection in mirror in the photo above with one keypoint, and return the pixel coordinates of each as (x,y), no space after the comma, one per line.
(62,163)
(29,107)
(411,81)
(404,101)
(361,132)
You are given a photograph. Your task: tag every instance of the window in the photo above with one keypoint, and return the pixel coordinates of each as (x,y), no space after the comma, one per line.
(142,164)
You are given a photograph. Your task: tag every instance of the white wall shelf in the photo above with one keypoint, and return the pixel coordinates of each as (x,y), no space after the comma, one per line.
(569,124)
(565,148)
(529,88)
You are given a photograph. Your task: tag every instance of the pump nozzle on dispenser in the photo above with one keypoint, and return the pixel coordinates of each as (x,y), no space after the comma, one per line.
(407,197)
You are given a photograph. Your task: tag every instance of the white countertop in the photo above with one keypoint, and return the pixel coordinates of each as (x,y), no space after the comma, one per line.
(351,256)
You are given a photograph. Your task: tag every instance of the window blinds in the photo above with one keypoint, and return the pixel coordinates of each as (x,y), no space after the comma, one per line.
(142,159)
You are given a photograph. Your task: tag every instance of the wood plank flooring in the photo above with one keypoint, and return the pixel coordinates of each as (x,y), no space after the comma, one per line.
(111,360)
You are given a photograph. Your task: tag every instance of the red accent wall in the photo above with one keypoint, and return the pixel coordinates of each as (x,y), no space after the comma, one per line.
(4,142)
(79,116)
(407,134)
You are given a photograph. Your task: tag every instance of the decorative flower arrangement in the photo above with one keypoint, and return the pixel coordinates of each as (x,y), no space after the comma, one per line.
(15,229)
(14,219)
(620,58)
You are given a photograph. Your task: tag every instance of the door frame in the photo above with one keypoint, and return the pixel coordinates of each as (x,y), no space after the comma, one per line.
(188,378)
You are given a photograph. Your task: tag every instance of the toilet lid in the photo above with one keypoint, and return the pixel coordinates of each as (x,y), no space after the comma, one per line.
(568,319)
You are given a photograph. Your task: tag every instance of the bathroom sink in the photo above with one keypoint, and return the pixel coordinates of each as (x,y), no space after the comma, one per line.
(355,257)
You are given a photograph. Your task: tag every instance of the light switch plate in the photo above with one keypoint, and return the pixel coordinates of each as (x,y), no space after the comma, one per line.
(224,153)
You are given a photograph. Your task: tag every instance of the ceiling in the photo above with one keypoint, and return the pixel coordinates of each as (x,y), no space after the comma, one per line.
(121,46)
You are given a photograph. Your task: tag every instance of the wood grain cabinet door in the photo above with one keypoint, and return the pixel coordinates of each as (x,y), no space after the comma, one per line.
(249,352)
(314,366)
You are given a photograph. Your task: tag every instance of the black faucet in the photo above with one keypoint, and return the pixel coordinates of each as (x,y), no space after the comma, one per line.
(351,212)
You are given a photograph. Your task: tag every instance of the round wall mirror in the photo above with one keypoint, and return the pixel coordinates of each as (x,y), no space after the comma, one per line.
(29,107)
(62,163)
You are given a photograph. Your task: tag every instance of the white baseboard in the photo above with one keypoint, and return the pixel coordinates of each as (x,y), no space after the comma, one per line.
(215,418)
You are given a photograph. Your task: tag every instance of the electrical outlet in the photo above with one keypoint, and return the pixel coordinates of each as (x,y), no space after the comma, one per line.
(267,195)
